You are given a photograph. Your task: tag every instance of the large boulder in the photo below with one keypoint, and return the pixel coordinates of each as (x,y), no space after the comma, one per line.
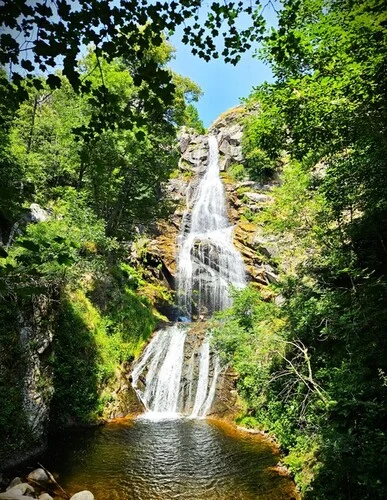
(37,213)
(259,197)
(195,155)
(15,481)
(21,490)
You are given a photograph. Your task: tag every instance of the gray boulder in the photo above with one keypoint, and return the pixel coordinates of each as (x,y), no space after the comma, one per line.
(37,213)
(224,163)
(15,481)
(22,490)
(45,496)
(184,141)
(83,495)
(258,197)
(270,274)
(279,300)
(38,475)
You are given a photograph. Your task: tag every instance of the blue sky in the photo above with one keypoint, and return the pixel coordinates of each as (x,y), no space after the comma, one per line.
(223,84)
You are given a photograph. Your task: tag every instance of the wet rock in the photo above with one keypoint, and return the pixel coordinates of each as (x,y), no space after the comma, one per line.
(38,475)
(15,481)
(24,489)
(45,496)
(83,495)
(124,398)
(225,404)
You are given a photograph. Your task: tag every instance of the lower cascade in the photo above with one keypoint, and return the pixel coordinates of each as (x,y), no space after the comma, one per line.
(176,377)
(177,373)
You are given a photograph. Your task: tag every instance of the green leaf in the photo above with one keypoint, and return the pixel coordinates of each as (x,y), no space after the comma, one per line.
(140,135)
(29,245)
(3,253)
(54,82)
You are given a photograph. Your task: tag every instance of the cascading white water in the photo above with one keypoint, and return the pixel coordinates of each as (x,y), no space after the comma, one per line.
(208,264)
(207,260)
(164,359)
(202,388)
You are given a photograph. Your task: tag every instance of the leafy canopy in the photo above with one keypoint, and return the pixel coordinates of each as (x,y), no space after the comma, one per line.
(40,36)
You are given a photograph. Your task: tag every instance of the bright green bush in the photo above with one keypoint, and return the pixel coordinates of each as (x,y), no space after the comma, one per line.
(89,347)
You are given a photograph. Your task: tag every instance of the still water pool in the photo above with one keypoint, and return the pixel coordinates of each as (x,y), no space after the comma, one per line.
(168,459)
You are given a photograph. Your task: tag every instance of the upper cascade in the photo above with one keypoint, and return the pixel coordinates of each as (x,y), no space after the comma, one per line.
(177,373)
(208,262)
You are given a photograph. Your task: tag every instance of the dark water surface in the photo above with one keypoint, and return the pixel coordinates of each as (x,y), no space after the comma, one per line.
(167,459)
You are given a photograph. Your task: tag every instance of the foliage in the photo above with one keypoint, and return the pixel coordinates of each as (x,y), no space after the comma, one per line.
(237,172)
(92,341)
(262,140)
(48,254)
(323,123)
(120,173)
(37,37)
(193,120)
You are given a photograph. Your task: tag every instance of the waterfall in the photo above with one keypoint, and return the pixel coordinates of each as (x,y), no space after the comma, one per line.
(207,259)
(204,366)
(164,358)
(164,376)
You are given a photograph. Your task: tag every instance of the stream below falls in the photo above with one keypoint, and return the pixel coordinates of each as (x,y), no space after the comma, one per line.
(168,459)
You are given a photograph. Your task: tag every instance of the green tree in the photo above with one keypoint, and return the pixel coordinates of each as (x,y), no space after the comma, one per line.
(192,119)
(38,37)
(327,110)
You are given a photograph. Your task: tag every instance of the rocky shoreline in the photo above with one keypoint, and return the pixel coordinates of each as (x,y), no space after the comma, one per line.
(40,484)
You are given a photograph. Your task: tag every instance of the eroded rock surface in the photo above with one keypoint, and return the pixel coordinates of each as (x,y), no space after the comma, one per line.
(259,250)
(124,400)
(228,129)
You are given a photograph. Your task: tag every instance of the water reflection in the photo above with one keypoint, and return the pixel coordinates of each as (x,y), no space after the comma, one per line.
(170,459)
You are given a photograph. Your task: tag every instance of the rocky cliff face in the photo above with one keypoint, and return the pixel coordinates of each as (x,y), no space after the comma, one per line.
(36,337)
(258,251)
(27,377)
